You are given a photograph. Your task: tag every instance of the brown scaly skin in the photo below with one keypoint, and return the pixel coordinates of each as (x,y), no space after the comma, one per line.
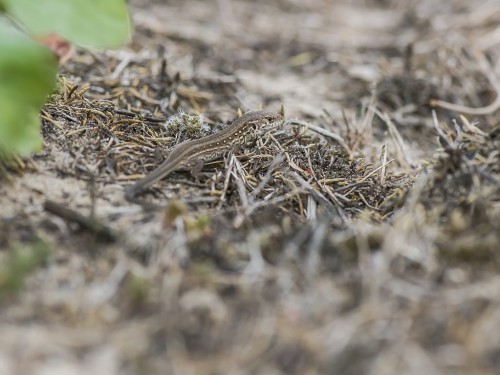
(243,131)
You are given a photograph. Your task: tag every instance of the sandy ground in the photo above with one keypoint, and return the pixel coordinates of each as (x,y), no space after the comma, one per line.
(362,237)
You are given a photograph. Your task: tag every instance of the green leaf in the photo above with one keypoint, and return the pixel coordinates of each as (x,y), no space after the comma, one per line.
(27,76)
(97,23)
(19,263)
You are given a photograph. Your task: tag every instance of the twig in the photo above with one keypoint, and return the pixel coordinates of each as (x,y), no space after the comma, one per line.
(274,163)
(329,207)
(321,131)
(384,161)
(494,82)
(376,170)
(85,222)
(226,180)
(400,144)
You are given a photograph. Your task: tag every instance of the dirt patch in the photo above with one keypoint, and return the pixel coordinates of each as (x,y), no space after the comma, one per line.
(362,236)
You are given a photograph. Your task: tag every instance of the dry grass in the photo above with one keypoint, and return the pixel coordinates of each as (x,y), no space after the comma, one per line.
(361,237)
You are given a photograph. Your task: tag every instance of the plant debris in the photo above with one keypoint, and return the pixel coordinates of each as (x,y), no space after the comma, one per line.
(361,236)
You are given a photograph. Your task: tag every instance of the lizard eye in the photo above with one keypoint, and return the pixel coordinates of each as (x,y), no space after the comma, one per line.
(274,118)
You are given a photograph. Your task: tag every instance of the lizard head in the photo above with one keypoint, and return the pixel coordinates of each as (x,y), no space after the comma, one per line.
(258,123)
(262,120)
(271,119)
(253,124)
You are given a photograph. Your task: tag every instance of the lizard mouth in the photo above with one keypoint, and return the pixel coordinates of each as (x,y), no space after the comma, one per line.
(271,127)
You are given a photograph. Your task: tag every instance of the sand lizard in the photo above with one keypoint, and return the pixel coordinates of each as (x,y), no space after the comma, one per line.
(192,154)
